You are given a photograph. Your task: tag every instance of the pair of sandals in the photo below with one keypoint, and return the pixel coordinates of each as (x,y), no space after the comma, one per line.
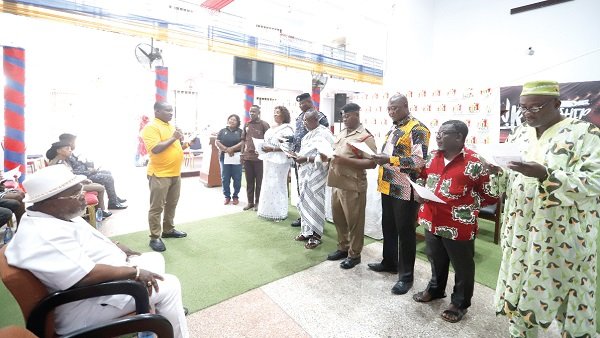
(311,241)
(452,314)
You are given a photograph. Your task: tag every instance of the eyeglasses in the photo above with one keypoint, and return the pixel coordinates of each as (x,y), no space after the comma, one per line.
(444,133)
(533,109)
(75,195)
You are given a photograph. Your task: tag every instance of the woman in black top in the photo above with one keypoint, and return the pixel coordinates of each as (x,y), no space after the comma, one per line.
(229,142)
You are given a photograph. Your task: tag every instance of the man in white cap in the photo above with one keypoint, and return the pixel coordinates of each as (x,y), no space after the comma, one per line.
(551,219)
(63,251)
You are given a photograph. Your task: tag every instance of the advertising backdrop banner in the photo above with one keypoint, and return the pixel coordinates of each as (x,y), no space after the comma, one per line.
(580,100)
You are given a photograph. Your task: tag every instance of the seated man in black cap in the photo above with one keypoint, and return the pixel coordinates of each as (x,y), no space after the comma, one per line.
(306,104)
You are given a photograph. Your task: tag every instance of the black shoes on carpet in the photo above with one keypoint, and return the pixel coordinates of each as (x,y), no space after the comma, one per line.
(378,267)
(157,245)
(174,234)
(106,214)
(296,223)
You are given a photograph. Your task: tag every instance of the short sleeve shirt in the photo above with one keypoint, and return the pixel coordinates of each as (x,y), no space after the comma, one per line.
(229,138)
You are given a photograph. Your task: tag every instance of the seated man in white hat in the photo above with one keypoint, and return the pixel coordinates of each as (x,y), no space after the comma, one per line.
(63,251)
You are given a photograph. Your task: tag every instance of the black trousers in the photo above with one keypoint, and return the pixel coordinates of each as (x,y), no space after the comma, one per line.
(441,251)
(398,223)
(8,207)
(254,176)
(105,178)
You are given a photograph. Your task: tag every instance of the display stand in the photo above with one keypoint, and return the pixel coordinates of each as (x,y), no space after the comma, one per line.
(210,172)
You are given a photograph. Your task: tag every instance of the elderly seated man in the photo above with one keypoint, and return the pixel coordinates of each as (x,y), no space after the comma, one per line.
(63,251)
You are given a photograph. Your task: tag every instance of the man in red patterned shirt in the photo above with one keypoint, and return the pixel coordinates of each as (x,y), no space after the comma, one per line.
(457,176)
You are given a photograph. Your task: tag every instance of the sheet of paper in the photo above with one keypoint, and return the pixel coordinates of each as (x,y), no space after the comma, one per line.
(500,154)
(362,147)
(235,159)
(325,149)
(258,144)
(425,193)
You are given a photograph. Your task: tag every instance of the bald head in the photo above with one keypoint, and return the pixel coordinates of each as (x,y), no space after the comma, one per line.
(311,119)
(398,107)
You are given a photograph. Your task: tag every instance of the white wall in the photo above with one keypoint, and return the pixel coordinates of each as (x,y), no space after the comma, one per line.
(470,43)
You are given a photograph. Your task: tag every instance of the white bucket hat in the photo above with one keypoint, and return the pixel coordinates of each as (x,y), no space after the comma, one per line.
(48,182)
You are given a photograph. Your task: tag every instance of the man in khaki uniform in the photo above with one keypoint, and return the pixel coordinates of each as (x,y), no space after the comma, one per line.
(348,178)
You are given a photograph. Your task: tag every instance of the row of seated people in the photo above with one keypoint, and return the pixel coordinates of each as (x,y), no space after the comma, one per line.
(99,181)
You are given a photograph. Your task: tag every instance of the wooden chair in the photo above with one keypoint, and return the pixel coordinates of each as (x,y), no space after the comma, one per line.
(37,305)
(494,213)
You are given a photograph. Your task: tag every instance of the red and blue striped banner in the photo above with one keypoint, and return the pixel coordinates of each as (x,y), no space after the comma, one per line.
(162,83)
(316,96)
(14,109)
(248,102)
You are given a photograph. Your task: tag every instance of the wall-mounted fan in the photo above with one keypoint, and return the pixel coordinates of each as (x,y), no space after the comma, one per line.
(148,55)
(319,79)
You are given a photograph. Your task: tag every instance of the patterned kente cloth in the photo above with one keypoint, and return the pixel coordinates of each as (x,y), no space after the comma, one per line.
(549,229)
(406,145)
(313,177)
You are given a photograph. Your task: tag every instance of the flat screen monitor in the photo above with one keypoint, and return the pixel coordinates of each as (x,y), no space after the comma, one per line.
(253,72)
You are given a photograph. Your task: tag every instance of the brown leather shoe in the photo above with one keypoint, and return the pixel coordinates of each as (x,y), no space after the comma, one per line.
(235,201)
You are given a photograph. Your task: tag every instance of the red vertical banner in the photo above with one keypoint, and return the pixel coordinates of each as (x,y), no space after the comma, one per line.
(162,83)
(248,102)
(14,109)
(316,96)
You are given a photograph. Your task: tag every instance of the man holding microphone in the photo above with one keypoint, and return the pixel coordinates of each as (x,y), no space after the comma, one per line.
(164,143)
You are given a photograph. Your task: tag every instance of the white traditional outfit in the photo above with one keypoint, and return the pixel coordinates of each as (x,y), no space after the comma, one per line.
(274,194)
(313,179)
(549,233)
(61,253)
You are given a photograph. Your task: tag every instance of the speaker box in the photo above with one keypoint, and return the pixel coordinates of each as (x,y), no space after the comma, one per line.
(339,101)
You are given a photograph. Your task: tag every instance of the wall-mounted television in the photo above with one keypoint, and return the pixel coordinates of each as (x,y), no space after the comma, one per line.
(253,72)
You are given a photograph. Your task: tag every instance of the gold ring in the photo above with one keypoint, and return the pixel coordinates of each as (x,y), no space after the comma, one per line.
(149,283)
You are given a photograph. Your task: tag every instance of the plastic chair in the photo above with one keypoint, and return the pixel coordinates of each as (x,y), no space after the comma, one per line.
(37,305)
(494,213)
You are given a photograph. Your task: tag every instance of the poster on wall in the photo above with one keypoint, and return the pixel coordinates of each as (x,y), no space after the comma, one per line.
(580,100)
(477,107)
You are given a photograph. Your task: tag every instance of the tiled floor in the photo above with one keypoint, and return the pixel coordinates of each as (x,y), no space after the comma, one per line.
(323,301)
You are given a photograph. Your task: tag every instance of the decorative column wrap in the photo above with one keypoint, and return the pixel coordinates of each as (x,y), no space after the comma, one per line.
(248,102)
(14,110)
(316,96)
(162,83)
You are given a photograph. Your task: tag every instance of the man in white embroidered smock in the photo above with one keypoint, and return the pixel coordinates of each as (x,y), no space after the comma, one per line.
(63,251)
(550,220)
(316,146)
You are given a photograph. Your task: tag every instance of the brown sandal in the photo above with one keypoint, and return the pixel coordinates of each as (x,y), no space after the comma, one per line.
(312,243)
(425,297)
(302,238)
(453,316)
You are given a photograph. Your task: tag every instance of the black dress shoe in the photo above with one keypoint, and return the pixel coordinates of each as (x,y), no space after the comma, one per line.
(121,200)
(174,234)
(296,223)
(401,287)
(381,268)
(116,206)
(349,262)
(106,214)
(157,245)
(337,255)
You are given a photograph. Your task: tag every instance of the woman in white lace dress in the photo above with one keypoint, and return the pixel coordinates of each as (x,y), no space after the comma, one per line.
(276,165)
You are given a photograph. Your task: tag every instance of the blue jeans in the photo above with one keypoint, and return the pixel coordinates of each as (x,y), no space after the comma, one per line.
(229,171)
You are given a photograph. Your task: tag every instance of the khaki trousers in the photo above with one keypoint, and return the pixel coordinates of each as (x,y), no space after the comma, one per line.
(348,209)
(164,195)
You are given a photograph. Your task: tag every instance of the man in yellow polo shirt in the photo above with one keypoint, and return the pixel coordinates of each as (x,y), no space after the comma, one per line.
(164,145)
